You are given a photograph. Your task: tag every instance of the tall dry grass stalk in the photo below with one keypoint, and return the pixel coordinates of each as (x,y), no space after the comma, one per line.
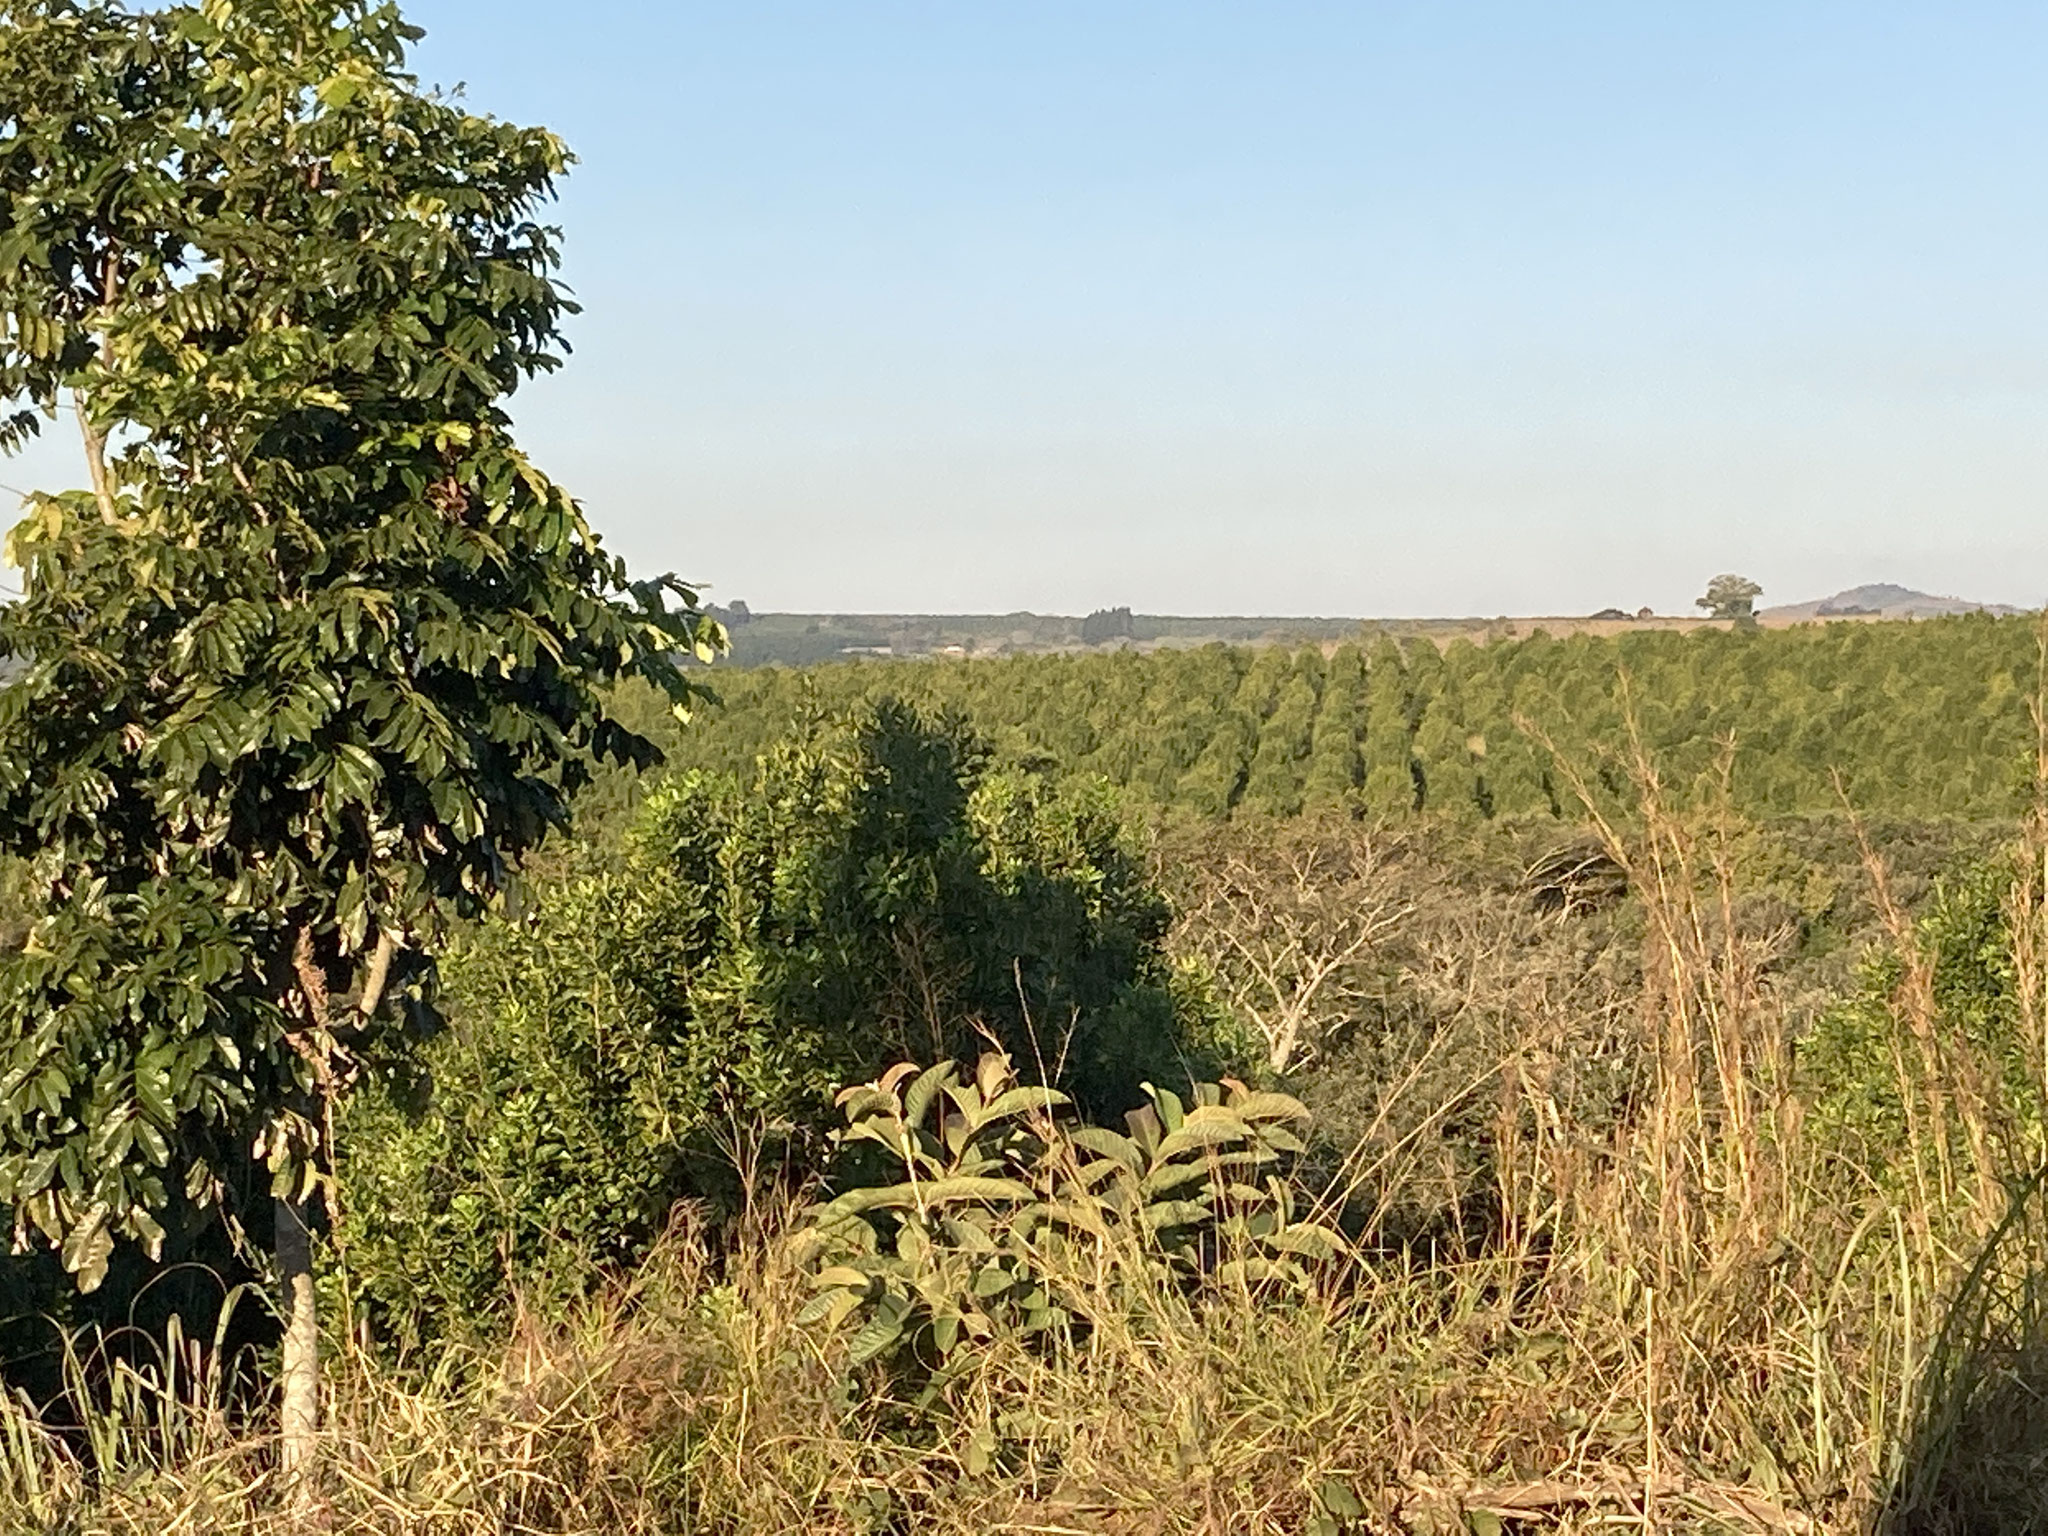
(2026,911)
(1768,1301)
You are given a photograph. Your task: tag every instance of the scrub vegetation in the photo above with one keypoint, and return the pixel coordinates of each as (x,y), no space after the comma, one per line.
(1663,1162)
(457,1075)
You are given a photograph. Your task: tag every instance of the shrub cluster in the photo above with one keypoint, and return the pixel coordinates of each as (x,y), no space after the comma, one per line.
(1643,1192)
(880,889)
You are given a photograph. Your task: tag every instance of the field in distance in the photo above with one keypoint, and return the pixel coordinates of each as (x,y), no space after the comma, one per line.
(798,639)
(1920,719)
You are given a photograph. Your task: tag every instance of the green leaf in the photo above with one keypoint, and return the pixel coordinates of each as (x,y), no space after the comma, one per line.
(935,1192)
(1200,1130)
(992,1279)
(917,1099)
(1309,1242)
(87,1246)
(877,1334)
(1023,1101)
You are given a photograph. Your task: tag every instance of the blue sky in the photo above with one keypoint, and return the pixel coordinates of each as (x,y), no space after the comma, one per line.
(1363,308)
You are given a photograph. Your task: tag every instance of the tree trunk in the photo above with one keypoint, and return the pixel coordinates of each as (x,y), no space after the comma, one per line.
(299,1409)
(95,460)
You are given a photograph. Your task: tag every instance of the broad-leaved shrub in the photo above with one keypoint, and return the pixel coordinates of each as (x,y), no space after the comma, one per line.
(880,889)
(983,1211)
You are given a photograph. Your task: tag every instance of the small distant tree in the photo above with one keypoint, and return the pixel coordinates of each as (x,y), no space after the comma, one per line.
(1730,597)
(319,654)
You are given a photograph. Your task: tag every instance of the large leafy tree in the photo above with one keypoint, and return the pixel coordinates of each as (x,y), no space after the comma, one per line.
(1729,596)
(318,654)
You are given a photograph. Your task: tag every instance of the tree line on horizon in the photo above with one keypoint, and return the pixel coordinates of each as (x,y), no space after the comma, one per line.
(1924,719)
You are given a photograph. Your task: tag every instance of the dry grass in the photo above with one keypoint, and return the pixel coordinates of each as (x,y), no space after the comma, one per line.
(1693,1315)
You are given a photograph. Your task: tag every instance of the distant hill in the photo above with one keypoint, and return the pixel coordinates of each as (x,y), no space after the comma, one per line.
(796,639)
(800,639)
(1881,599)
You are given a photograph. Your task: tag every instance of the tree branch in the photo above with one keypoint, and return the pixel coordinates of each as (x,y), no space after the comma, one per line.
(379,974)
(312,981)
(95,440)
(95,459)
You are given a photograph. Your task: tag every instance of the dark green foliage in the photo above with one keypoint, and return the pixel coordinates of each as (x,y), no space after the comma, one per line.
(552,1127)
(1335,768)
(1447,752)
(1392,781)
(877,889)
(1923,720)
(320,655)
(921,898)
(1274,783)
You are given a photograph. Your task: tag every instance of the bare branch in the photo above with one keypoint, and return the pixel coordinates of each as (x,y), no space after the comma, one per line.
(379,974)
(1291,930)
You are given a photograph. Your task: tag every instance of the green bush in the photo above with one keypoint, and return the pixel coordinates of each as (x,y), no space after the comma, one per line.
(987,1214)
(1851,1062)
(880,889)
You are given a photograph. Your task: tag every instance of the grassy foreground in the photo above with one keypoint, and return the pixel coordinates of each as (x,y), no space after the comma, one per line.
(1734,1307)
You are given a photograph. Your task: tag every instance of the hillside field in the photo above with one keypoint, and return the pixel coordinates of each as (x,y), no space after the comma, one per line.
(1927,718)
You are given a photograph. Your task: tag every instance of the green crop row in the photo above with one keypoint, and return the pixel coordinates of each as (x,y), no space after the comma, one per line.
(1917,719)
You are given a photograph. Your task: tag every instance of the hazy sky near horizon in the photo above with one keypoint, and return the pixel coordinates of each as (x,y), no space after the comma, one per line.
(1291,308)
